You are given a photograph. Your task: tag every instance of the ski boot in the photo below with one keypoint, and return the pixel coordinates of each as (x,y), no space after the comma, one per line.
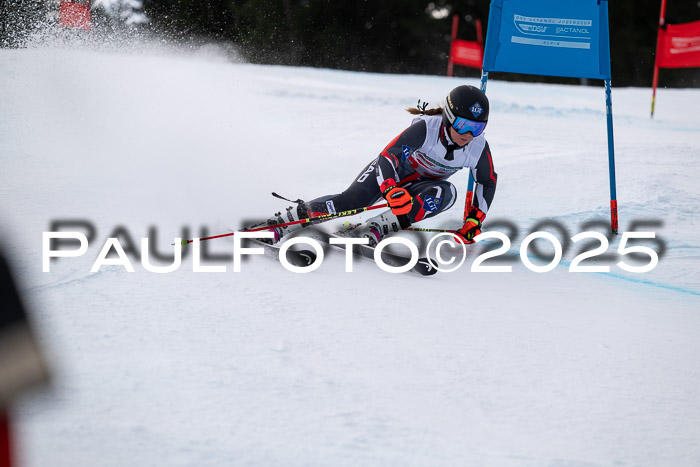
(291,214)
(377,227)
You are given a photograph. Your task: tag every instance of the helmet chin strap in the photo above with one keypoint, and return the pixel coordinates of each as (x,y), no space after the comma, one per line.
(446,141)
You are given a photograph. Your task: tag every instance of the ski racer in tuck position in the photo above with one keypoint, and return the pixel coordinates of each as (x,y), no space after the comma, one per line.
(411,173)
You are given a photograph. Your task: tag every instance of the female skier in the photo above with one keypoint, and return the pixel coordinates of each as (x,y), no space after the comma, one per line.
(411,172)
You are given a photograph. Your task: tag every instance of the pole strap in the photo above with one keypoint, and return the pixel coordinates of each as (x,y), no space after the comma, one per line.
(297,201)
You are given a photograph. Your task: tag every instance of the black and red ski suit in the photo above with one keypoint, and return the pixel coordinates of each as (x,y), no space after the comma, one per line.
(420,160)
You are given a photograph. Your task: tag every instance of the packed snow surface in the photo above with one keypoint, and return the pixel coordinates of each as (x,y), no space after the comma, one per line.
(268,367)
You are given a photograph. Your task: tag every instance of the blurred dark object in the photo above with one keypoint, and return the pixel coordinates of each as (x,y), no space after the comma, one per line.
(21,363)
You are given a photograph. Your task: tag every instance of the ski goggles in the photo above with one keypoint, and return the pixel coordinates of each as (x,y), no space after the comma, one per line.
(462,125)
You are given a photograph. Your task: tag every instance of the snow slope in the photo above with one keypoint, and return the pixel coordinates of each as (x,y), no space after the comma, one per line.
(266,367)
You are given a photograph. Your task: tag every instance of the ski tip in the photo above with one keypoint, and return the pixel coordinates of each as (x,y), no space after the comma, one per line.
(307,256)
(424,268)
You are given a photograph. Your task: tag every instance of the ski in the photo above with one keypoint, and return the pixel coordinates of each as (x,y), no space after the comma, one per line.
(422,267)
(300,258)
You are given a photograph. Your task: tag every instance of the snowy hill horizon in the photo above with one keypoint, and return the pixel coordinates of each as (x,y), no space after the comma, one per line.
(364,368)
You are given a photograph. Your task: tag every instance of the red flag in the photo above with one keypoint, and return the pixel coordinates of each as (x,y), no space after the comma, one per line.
(679,46)
(74,15)
(5,455)
(467,53)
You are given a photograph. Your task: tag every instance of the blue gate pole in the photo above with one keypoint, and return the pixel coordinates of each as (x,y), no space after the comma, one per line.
(484,79)
(611,158)
(470,180)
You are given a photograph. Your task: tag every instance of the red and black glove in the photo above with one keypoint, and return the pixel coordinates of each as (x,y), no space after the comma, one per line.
(471,227)
(400,201)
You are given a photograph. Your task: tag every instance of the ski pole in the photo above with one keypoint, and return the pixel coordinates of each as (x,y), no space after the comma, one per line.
(308,220)
(419,229)
(453,232)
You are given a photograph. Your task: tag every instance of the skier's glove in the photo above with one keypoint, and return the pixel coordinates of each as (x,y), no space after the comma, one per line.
(399,200)
(471,227)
